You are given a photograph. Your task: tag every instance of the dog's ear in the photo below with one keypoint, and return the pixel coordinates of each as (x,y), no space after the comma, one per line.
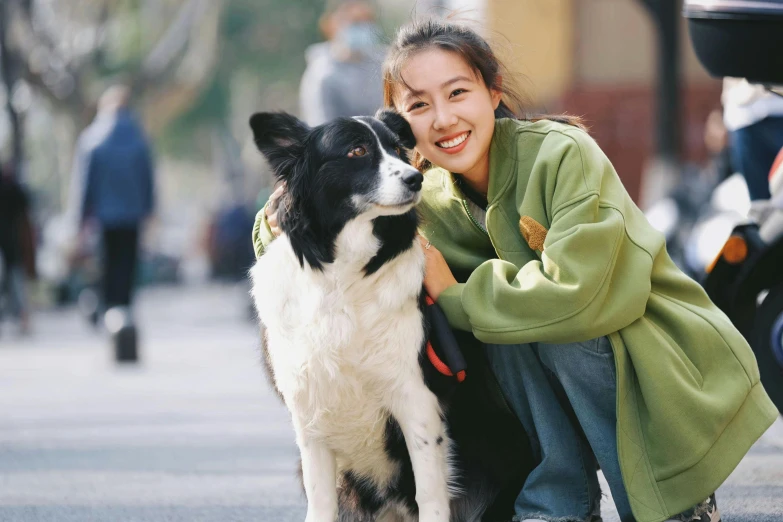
(280,138)
(398,126)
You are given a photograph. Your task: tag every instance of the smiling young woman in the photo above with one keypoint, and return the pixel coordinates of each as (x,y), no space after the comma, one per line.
(602,347)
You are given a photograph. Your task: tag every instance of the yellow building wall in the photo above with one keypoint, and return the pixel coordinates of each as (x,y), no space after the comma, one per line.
(553,45)
(534,38)
(615,43)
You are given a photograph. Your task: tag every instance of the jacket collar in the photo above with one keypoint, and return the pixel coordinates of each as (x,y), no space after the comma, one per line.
(502,160)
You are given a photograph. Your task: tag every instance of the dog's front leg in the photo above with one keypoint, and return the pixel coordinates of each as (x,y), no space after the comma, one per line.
(319,474)
(417,411)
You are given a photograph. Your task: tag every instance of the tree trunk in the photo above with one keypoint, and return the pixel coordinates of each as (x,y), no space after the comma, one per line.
(8,72)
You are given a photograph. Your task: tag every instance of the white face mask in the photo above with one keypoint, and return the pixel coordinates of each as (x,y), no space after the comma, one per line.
(358,37)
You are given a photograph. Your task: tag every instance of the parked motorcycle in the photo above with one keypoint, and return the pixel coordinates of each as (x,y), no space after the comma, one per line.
(735,38)
(697,216)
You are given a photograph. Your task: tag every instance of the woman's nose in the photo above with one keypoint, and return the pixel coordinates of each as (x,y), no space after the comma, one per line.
(444,117)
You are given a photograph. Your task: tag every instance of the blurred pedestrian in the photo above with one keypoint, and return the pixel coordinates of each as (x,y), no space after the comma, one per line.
(343,74)
(16,247)
(113,186)
(716,141)
(230,253)
(754,118)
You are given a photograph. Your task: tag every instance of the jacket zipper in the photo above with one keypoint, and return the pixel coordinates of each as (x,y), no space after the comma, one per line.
(472,219)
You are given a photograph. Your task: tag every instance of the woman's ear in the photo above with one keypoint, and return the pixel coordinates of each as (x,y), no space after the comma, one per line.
(496,92)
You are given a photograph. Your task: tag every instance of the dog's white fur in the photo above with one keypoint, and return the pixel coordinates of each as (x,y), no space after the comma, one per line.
(344,349)
(345,352)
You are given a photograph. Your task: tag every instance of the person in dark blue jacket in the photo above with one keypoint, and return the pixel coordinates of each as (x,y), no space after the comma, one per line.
(17,260)
(113,183)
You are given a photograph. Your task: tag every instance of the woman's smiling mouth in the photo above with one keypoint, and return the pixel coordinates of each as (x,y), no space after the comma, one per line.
(454,144)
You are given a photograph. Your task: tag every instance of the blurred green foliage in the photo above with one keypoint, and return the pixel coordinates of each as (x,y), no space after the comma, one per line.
(265,38)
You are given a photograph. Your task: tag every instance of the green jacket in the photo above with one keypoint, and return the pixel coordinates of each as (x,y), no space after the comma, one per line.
(689,400)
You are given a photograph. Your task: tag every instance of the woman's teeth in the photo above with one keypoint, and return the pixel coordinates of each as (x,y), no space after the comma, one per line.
(453,143)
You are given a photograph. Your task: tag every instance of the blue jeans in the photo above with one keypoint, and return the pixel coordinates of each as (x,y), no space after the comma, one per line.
(753,150)
(565,396)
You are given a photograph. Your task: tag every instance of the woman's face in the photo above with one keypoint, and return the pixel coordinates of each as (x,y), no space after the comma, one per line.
(450,110)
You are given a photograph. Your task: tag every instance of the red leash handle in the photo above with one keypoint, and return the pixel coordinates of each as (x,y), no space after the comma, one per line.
(435,360)
(440,365)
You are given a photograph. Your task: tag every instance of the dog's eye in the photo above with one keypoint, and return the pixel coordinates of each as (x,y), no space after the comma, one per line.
(357,152)
(398,150)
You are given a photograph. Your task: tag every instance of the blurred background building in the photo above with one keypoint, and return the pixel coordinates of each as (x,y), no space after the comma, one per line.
(199,68)
(599,59)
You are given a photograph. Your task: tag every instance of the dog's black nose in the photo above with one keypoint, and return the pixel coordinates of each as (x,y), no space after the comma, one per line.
(413,180)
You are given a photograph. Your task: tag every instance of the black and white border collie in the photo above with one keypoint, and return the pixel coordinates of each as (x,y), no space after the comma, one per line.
(381,433)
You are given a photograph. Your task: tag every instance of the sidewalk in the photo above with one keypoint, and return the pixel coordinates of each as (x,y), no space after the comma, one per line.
(193,433)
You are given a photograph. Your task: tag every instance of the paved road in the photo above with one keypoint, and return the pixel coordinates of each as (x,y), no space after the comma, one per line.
(193,433)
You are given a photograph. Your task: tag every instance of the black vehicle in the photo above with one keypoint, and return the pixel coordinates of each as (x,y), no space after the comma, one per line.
(743,39)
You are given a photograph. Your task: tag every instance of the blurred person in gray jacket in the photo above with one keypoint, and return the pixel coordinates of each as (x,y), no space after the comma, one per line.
(343,74)
(113,186)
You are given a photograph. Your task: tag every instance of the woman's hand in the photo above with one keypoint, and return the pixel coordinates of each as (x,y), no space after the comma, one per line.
(271,210)
(437,274)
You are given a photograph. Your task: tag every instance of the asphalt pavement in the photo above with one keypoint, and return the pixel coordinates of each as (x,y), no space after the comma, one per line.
(193,432)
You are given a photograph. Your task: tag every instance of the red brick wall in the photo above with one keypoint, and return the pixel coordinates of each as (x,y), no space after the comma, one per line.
(621,121)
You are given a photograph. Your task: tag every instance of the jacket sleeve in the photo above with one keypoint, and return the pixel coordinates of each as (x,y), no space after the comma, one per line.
(591,279)
(262,234)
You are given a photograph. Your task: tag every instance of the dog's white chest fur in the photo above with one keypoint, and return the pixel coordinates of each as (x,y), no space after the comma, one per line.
(340,342)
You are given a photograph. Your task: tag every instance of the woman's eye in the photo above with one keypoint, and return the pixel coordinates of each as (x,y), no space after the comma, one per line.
(415,106)
(357,152)
(457,92)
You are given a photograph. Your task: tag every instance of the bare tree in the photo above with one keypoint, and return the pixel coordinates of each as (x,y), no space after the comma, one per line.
(8,73)
(67,52)
(61,50)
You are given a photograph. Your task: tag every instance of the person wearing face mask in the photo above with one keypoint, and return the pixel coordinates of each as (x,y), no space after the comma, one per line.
(342,77)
